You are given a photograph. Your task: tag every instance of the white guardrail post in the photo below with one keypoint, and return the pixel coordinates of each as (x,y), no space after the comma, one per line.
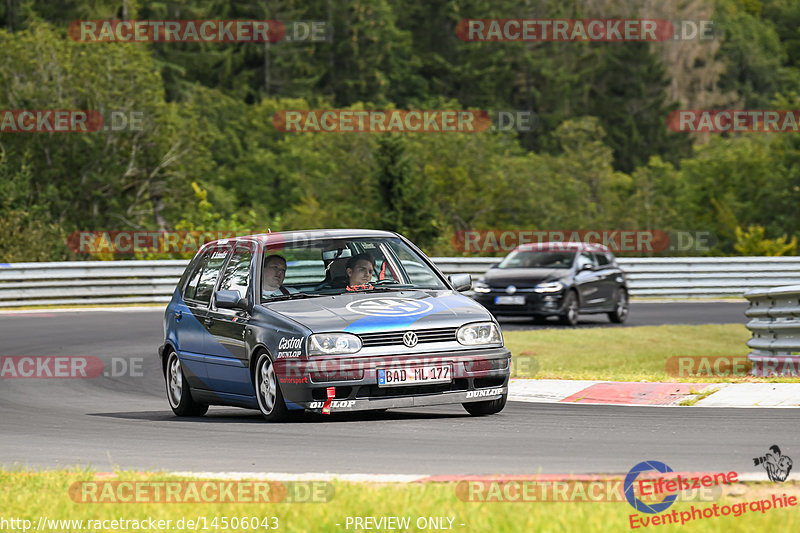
(775,323)
(110,282)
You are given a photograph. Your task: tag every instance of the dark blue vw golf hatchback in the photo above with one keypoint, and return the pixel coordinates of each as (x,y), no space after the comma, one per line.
(327,321)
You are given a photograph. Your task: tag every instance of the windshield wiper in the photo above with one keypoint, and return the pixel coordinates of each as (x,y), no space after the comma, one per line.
(295,296)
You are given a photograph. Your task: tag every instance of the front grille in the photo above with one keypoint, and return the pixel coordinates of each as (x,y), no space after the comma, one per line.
(395,338)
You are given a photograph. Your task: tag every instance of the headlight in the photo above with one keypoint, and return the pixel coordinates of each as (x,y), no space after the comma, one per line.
(550,286)
(481,286)
(480,333)
(333,344)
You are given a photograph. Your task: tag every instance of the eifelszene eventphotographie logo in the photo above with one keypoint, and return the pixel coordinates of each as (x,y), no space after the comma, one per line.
(777,466)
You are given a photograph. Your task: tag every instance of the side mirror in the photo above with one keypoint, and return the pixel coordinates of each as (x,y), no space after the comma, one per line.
(461,282)
(587,266)
(230,300)
(494,265)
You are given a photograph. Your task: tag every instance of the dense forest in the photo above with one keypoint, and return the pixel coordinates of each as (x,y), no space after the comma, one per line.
(206,154)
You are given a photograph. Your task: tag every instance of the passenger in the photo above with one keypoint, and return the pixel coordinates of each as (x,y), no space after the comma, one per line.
(360,269)
(272,276)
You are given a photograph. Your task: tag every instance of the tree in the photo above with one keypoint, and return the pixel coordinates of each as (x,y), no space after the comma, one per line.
(407,198)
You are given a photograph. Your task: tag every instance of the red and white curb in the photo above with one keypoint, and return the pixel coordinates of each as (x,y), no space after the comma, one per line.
(658,394)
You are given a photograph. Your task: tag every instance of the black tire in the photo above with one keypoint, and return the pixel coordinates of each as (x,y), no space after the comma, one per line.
(179,395)
(571,309)
(486,408)
(268,391)
(620,312)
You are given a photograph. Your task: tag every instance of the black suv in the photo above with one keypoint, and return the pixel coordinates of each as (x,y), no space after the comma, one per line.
(555,278)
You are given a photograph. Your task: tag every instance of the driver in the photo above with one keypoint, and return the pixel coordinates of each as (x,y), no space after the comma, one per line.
(360,269)
(272,276)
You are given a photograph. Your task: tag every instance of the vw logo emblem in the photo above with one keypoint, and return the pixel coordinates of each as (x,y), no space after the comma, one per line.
(410,339)
(389,307)
(511,289)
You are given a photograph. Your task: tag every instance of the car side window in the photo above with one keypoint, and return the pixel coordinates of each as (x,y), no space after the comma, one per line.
(237,274)
(602,259)
(209,275)
(584,259)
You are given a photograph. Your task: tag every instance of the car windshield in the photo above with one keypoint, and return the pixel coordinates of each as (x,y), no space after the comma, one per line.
(316,267)
(519,259)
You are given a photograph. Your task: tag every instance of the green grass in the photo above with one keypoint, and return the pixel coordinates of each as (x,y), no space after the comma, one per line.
(29,496)
(688,402)
(625,354)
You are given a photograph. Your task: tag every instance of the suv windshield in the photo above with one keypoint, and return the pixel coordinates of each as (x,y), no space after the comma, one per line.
(538,260)
(336,266)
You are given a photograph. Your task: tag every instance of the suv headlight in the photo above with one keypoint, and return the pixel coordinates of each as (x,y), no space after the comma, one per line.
(549,286)
(333,344)
(479,333)
(481,286)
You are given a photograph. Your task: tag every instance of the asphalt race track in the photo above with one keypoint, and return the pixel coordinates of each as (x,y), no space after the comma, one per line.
(653,314)
(109,422)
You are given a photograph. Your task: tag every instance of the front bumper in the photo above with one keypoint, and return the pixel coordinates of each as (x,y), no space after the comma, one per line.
(444,398)
(543,304)
(477,375)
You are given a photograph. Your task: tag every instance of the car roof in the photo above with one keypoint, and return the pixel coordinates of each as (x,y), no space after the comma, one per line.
(280,237)
(561,246)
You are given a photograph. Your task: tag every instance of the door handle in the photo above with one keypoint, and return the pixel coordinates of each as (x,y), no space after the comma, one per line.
(178,316)
(209,321)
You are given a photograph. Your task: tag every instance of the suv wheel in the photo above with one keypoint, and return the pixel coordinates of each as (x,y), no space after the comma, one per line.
(178,393)
(268,391)
(620,312)
(569,316)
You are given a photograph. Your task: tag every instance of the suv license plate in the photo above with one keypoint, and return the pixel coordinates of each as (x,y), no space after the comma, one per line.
(509,300)
(414,375)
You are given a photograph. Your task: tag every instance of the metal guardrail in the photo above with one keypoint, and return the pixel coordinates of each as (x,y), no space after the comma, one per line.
(775,323)
(103,282)
(679,277)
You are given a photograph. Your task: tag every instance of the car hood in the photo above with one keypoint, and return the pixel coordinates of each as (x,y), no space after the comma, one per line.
(382,311)
(523,277)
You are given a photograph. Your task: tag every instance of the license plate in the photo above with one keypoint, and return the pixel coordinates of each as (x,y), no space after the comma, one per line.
(509,300)
(414,375)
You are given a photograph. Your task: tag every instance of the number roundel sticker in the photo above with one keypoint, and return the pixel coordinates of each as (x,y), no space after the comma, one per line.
(390,307)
